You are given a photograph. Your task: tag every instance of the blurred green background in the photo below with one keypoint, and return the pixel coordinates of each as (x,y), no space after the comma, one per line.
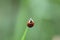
(14,15)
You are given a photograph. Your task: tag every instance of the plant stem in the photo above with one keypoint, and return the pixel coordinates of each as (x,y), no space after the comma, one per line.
(24,35)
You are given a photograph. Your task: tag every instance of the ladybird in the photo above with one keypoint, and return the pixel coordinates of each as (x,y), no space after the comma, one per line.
(30,23)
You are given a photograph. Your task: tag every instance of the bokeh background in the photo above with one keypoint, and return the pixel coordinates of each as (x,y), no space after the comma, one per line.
(14,15)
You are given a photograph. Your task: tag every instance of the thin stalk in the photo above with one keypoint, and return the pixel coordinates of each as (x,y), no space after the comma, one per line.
(24,35)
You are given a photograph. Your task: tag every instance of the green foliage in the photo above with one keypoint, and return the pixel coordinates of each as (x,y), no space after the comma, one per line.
(14,16)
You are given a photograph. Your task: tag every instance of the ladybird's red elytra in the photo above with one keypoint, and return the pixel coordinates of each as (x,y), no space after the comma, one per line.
(30,23)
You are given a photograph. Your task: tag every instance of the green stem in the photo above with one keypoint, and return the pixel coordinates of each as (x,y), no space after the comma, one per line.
(24,35)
